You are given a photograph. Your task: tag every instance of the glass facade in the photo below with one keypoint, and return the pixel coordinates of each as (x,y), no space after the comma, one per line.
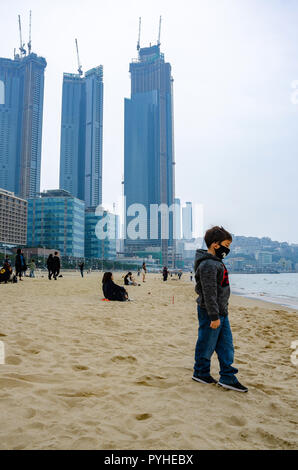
(148,147)
(56,220)
(82,136)
(21,111)
(96,247)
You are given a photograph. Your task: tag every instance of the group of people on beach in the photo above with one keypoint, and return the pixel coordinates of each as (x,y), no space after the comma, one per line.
(53,266)
(8,275)
(6,272)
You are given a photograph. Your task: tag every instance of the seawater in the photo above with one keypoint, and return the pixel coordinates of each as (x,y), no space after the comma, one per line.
(278,288)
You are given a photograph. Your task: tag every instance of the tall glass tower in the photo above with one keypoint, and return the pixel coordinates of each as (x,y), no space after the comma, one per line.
(21,112)
(82,136)
(149,177)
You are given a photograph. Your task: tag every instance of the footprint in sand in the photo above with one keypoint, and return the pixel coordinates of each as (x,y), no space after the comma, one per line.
(236,420)
(79,368)
(154,381)
(29,413)
(129,359)
(13,360)
(143,416)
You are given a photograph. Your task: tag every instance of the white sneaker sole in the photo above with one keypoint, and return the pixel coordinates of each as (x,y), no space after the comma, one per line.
(202,381)
(230,387)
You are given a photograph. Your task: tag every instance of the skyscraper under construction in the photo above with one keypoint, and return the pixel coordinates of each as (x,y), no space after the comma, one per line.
(149,176)
(21,113)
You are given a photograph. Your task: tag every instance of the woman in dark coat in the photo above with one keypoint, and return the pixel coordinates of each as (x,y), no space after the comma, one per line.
(165,273)
(112,291)
(20,263)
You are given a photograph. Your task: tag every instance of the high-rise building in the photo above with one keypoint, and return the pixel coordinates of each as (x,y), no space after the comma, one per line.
(149,150)
(21,111)
(56,220)
(13,219)
(82,136)
(187,228)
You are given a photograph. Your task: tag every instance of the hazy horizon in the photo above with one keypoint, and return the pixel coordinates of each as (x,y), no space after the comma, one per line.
(233,63)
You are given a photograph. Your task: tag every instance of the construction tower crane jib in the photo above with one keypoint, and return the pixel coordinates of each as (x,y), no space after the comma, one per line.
(22,49)
(80,71)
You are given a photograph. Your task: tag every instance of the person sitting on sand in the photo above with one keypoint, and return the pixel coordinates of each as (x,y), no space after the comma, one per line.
(6,271)
(112,291)
(129,280)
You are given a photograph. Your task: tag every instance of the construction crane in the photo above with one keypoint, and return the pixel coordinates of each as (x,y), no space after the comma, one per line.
(22,49)
(79,64)
(29,43)
(159,31)
(139,38)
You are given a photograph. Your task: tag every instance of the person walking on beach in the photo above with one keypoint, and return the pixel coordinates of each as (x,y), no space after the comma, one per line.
(144,271)
(81,266)
(112,291)
(165,273)
(20,263)
(214,334)
(50,265)
(32,267)
(56,265)
(179,275)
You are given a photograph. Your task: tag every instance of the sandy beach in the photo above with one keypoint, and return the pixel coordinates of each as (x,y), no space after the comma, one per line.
(81,373)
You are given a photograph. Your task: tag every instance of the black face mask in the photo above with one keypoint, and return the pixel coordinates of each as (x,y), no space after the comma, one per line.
(222,252)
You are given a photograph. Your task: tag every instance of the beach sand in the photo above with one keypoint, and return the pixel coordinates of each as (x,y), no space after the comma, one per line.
(81,373)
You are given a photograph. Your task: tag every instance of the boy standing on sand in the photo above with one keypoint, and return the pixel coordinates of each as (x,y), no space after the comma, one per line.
(212,285)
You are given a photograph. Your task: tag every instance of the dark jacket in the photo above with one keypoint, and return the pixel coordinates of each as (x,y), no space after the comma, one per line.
(56,263)
(112,291)
(212,284)
(20,263)
(50,263)
(127,278)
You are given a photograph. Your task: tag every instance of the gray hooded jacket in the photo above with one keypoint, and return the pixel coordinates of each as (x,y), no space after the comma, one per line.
(212,284)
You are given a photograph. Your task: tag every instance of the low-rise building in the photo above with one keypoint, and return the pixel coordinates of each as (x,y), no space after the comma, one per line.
(13,219)
(56,220)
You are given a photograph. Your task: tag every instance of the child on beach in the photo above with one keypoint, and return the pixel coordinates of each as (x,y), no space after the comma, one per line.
(32,267)
(212,285)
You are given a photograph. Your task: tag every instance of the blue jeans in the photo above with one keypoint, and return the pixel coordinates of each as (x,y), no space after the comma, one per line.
(220,341)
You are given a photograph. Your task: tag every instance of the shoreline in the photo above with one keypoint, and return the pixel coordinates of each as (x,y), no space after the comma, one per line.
(268,300)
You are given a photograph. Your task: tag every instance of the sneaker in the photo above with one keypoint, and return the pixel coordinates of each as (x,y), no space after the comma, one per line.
(204,380)
(236,386)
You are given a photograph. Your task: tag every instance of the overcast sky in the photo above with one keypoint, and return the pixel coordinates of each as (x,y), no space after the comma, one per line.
(233,63)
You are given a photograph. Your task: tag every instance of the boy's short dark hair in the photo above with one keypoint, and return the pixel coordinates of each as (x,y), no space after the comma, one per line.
(216,234)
